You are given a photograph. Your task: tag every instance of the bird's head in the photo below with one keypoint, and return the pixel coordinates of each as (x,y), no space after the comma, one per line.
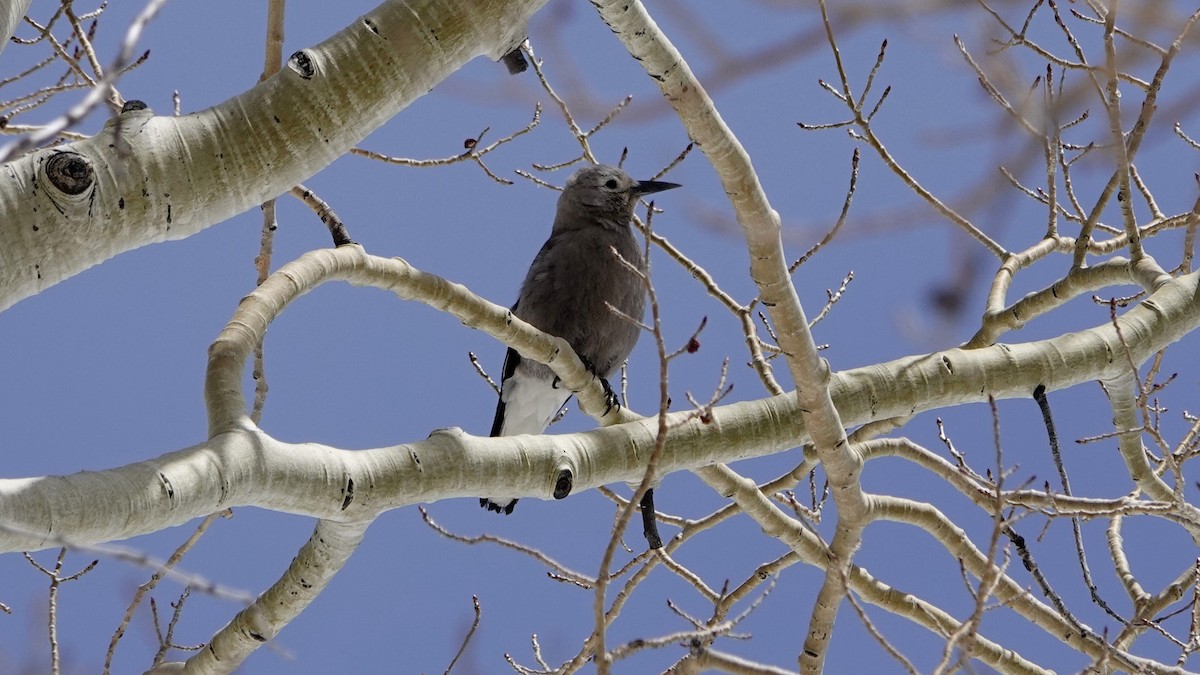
(605,191)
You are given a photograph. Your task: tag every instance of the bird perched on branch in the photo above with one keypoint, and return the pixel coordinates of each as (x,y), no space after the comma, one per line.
(567,292)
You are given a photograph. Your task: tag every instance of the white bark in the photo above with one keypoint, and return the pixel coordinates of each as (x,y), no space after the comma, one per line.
(159,178)
(156,178)
(10,15)
(242,466)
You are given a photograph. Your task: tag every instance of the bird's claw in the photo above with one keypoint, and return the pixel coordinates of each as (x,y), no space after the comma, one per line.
(610,397)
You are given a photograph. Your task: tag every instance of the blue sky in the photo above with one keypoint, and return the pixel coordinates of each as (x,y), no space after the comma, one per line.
(106,368)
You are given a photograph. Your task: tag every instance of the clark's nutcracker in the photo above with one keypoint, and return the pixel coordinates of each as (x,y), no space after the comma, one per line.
(566,292)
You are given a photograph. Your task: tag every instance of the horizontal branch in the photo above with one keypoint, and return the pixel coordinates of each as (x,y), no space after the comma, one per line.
(242,466)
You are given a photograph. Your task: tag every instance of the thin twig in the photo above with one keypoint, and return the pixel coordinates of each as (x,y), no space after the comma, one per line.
(466,638)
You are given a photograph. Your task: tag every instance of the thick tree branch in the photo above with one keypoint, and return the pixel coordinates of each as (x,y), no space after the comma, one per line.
(10,16)
(769,268)
(147,178)
(243,466)
(325,552)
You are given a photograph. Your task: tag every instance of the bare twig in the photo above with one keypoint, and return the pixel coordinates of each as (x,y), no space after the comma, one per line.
(466,638)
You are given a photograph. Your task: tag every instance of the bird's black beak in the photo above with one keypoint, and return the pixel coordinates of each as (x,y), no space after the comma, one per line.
(646,187)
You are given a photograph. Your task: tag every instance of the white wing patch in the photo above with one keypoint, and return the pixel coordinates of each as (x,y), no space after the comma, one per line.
(530,402)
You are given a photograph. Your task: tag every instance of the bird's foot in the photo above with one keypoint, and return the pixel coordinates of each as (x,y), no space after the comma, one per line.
(610,397)
(498,508)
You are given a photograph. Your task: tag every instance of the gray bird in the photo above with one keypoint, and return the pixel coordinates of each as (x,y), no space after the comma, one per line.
(565,293)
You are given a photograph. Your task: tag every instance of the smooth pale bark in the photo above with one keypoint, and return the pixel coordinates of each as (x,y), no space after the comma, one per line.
(243,466)
(10,15)
(157,178)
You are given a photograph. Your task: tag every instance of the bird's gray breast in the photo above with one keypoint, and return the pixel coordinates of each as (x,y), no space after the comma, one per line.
(573,279)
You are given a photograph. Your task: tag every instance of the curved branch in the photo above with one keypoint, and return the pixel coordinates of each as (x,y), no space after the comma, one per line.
(228,353)
(998,319)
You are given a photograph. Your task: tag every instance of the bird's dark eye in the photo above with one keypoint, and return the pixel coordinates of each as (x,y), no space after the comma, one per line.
(611,183)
